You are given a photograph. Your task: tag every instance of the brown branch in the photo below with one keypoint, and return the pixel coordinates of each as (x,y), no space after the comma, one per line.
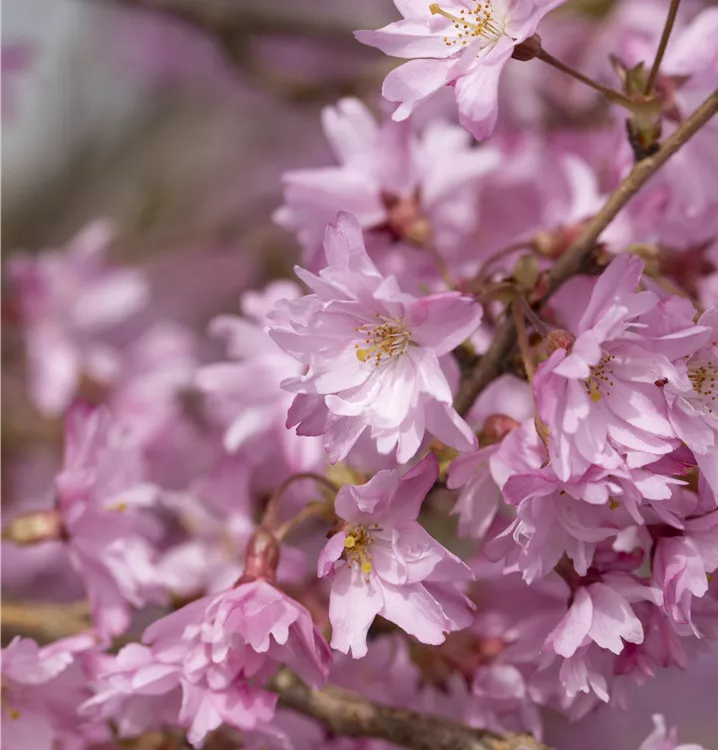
(665,36)
(44,622)
(349,714)
(575,257)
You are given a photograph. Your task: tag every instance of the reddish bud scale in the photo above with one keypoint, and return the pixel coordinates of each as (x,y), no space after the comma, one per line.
(497,427)
(559,339)
(262,558)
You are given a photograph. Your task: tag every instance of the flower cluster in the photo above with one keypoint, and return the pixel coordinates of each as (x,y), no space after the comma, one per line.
(465,463)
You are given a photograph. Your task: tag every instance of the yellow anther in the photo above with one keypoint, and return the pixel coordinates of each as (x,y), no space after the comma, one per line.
(366,567)
(350,542)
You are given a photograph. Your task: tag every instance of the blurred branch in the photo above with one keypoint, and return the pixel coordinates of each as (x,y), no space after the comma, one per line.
(576,256)
(233,21)
(44,622)
(349,714)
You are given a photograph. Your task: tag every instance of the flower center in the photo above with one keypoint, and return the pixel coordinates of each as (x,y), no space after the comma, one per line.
(601,377)
(389,339)
(471,24)
(703,377)
(356,548)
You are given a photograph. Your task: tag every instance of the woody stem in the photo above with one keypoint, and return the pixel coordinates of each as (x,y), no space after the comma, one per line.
(611,94)
(665,36)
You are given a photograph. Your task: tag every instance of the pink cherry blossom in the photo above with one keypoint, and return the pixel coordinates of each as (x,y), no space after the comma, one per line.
(600,399)
(373,353)
(682,566)
(458,44)
(103,499)
(207,662)
(42,690)
(67,299)
(246,394)
(382,562)
(416,187)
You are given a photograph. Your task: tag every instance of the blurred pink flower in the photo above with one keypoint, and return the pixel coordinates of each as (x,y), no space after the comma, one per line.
(68,299)
(383,562)
(418,187)
(42,689)
(102,496)
(663,739)
(246,395)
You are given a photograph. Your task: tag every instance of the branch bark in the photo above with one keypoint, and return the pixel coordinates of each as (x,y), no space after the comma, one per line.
(574,259)
(349,714)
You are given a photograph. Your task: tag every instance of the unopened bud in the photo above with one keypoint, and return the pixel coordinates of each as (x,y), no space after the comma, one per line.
(497,427)
(33,528)
(528,49)
(559,339)
(406,220)
(262,557)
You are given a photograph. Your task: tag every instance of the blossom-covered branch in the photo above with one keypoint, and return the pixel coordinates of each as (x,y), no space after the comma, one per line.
(573,260)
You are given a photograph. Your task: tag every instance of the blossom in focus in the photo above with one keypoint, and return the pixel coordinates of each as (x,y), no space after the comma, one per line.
(245,394)
(600,399)
(418,188)
(68,300)
(206,663)
(383,562)
(373,354)
(455,43)
(103,499)
(42,689)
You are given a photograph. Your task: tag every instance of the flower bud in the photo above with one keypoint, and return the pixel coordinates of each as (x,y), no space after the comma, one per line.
(262,557)
(497,427)
(559,339)
(32,528)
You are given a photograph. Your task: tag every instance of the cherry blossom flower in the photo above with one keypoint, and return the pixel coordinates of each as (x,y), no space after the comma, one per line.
(418,188)
(246,394)
(382,562)
(67,298)
(682,566)
(42,689)
(373,353)
(459,44)
(600,399)
(207,662)
(102,499)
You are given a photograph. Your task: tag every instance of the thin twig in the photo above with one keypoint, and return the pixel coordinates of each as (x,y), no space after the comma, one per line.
(665,36)
(523,339)
(610,94)
(272,510)
(351,715)
(573,260)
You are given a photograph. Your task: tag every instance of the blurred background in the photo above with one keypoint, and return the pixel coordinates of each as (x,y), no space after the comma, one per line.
(175,119)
